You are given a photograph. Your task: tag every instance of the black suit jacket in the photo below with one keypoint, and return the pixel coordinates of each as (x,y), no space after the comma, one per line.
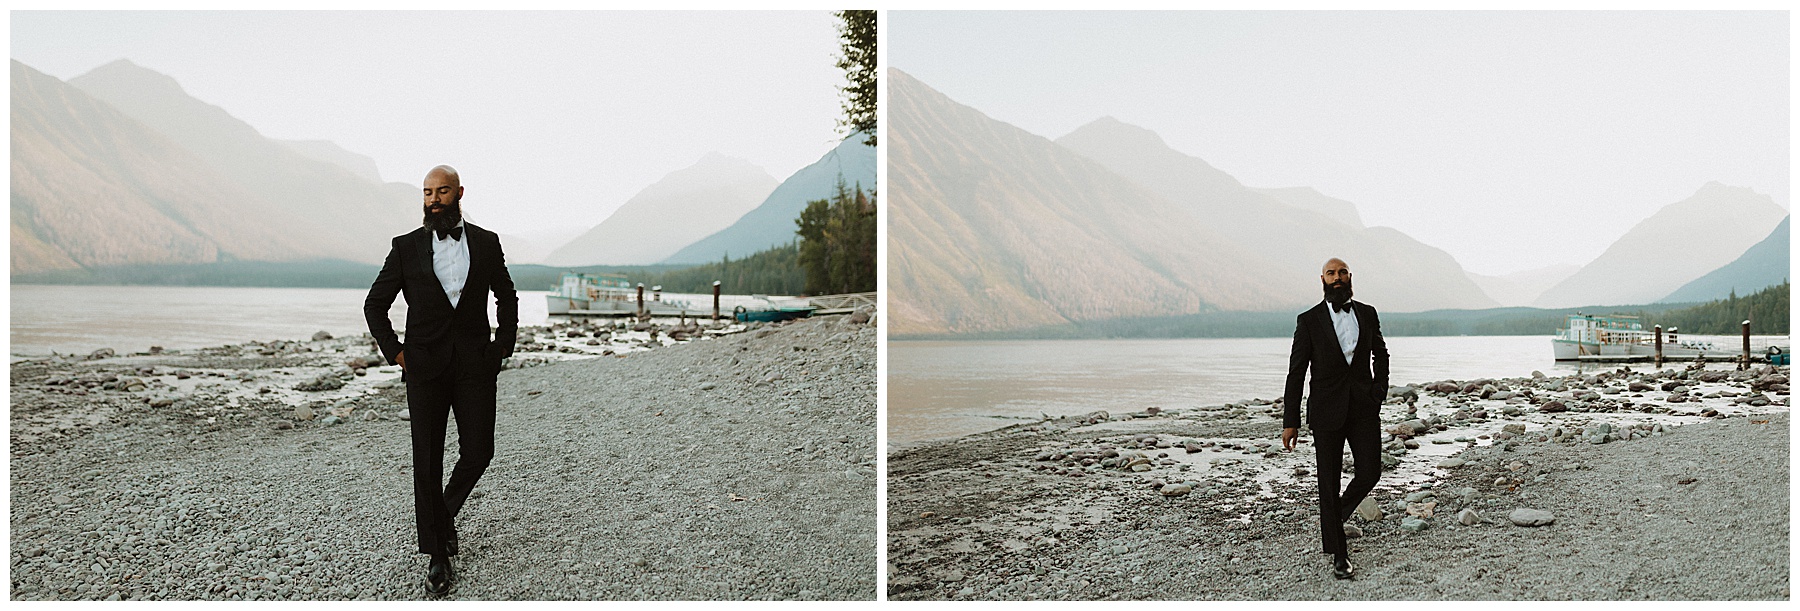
(434,329)
(1339,390)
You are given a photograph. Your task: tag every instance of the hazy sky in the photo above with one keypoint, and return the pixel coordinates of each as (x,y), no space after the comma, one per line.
(553,118)
(1513,140)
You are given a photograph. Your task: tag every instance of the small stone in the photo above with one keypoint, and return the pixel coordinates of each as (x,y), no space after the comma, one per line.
(1525,516)
(329,420)
(1352,531)
(1368,509)
(321,336)
(1176,489)
(1420,496)
(1468,517)
(303,413)
(1413,524)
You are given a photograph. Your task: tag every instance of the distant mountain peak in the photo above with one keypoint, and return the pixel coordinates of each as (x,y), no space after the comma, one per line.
(1713,187)
(718,159)
(125,69)
(1112,129)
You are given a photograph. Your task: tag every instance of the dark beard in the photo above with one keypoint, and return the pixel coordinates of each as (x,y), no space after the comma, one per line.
(446,219)
(1338,296)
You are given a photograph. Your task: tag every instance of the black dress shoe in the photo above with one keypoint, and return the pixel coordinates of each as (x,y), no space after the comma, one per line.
(1341,568)
(438,575)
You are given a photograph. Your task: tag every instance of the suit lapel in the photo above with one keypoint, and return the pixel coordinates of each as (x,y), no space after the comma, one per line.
(1324,329)
(477,250)
(428,265)
(1362,327)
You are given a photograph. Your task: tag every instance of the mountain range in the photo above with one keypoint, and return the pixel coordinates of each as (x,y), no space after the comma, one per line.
(1388,267)
(93,186)
(995,229)
(121,167)
(683,207)
(1763,265)
(1679,243)
(771,223)
(331,203)
(1523,287)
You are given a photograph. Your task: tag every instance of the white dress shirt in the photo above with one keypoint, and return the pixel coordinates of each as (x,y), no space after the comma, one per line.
(450,261)
(1345,324)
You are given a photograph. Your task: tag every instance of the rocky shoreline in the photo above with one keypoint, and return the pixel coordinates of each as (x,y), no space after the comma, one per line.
(633,461)
(1655,484)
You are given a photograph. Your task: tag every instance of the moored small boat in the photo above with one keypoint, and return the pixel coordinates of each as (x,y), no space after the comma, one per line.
(763,309)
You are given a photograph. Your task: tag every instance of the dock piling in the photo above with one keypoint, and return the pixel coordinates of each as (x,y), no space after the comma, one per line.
(640,309)
(1744,363)
(715,301)
(1659,357)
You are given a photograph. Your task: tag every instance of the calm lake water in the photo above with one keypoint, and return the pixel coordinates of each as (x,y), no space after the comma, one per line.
(942,389)
(81,319)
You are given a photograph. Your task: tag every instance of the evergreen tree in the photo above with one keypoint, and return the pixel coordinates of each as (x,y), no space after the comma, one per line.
(837,242)
(856,35)
(1767,311)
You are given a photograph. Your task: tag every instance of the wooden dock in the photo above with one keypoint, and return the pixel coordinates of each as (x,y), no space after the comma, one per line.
(824,304)
(1683,358)
(842,304)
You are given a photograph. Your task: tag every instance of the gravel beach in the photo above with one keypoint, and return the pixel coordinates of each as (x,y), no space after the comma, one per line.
(721,463)
(1620,485)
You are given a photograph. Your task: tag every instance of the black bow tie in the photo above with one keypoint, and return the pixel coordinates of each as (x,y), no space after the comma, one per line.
(1340,308)
(454,233)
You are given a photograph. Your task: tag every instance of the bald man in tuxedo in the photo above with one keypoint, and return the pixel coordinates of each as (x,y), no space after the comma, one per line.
(446,269)
(1340,341)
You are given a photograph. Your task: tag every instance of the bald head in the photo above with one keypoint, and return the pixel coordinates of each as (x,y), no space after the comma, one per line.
(442,187)
(443,198)
(1336,278)
(445,173)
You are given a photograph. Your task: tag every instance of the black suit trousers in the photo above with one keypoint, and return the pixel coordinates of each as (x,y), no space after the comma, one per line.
(467,388)
(1363,433)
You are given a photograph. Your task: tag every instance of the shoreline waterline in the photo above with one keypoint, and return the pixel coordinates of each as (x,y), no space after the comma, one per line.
(944,390)
(70,319)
